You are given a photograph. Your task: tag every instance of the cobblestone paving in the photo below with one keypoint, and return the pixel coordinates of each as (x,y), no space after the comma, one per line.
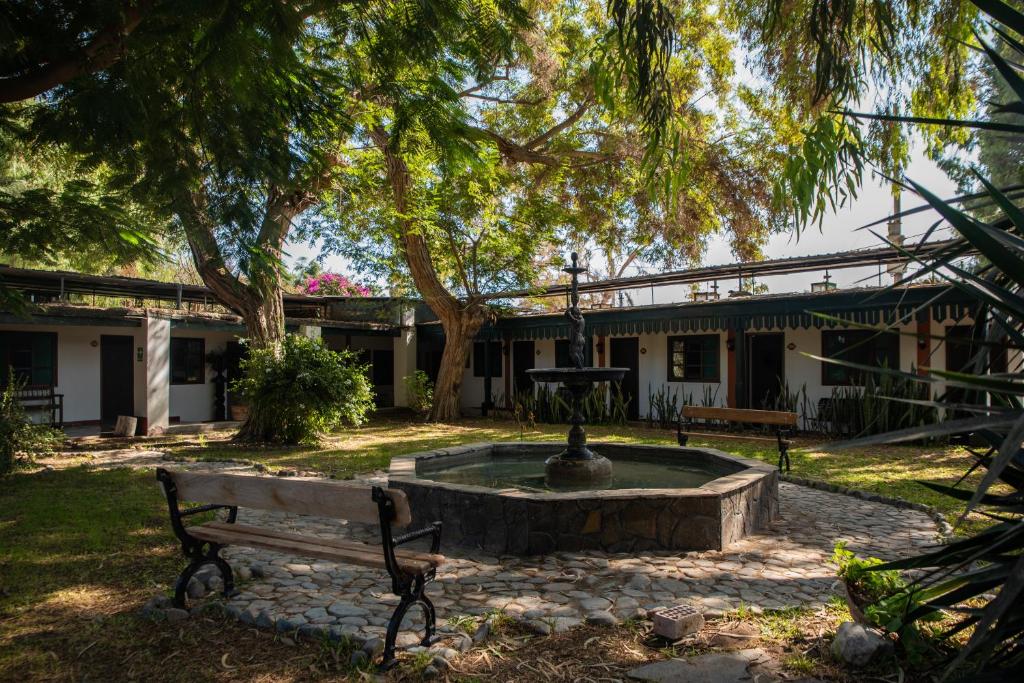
(785,566)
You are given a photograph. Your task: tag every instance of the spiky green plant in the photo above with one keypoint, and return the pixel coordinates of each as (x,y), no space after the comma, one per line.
(979,579)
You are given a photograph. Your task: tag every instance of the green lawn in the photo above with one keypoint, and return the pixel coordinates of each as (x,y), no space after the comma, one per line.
(80,551)
(890,470)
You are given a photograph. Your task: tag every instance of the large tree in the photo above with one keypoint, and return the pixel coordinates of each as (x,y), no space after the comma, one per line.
(544,146)
(236,121)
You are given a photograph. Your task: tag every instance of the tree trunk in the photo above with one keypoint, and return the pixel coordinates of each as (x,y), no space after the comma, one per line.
(460,320)
(260,299)
(264,327)
(459,332)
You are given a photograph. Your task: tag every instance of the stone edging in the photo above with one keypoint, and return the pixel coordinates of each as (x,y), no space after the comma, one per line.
(945,529)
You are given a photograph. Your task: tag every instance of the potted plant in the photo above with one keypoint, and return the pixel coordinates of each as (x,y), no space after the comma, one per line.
(880,598)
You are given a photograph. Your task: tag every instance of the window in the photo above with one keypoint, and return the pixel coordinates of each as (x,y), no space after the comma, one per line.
(31,356)
(864,347)
(693,358)
(493,357)
(188,361)
(960,350)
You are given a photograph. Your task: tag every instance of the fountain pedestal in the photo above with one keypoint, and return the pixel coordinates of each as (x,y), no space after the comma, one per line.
(577,465)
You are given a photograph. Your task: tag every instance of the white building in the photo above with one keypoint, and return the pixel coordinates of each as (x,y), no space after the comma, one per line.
(167,365)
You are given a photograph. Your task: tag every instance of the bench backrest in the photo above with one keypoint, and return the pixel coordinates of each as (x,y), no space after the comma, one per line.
(300,496)
(35,394)
(767,417)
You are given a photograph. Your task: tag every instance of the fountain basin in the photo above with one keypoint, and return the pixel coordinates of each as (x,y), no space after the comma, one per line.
(492,496)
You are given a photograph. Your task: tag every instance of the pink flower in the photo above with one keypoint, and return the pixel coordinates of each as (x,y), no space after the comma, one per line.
(335,284)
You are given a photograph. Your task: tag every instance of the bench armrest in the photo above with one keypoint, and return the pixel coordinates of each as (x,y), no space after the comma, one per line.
(433,530)
(232,515)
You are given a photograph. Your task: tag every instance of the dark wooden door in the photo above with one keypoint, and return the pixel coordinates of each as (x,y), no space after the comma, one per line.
(766,363)
(117,396)
(625,353)
(382,372)
(523,353)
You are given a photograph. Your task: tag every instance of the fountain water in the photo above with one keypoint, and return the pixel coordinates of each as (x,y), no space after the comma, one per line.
(577,465)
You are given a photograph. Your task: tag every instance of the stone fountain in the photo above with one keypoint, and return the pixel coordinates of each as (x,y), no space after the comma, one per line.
(533,498)
(577,465)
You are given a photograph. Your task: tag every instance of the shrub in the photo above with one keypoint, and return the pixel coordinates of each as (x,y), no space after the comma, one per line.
(17,434)
(604,405)
(421,392)
(976,582)
(333,284)
(302,390)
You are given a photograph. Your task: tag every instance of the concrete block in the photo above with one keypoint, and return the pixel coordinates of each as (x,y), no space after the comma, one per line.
(675,622)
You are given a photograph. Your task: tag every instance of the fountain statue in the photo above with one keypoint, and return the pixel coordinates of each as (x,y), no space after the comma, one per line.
(577,465)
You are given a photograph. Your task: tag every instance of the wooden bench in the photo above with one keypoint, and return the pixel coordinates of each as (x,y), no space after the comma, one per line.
(409,570)
(43,400)
(785,425)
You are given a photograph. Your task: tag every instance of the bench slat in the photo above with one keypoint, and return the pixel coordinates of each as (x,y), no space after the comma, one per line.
(305,497)
(329,542)
(723,435)
(362,555)
(768,417)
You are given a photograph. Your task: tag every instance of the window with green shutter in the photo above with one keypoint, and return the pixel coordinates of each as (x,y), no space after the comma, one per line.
(188,360)
(31,356)
(863,347)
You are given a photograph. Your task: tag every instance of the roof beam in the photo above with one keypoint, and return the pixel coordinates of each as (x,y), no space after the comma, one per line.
(798,264)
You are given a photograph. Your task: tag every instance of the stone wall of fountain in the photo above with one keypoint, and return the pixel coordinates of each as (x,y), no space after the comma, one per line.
(516,522)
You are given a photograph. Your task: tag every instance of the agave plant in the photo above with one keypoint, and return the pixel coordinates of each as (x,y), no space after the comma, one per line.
(979,579)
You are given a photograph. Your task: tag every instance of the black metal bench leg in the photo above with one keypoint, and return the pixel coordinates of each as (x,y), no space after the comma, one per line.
(211,556)
(431,617)
(225,571)
(395,624)
(181,585)
(388,658)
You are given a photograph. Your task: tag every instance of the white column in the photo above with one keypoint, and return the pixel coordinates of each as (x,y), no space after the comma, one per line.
(156,369)
(405,354)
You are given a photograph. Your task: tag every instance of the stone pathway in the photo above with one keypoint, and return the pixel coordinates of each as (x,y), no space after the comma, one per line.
(786,566)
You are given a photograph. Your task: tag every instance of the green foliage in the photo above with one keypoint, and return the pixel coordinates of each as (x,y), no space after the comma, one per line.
(19,436)
(989,562)
(663,407)
(820,56)
(604,405)
(862,576)
(885,403)
(303,390)
(57,210)
(420,391)
(887,598)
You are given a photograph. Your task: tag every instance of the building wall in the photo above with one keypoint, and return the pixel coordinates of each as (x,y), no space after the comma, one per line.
(78,364)
(194,402)
(78,371)
(654,374)
(802,373)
